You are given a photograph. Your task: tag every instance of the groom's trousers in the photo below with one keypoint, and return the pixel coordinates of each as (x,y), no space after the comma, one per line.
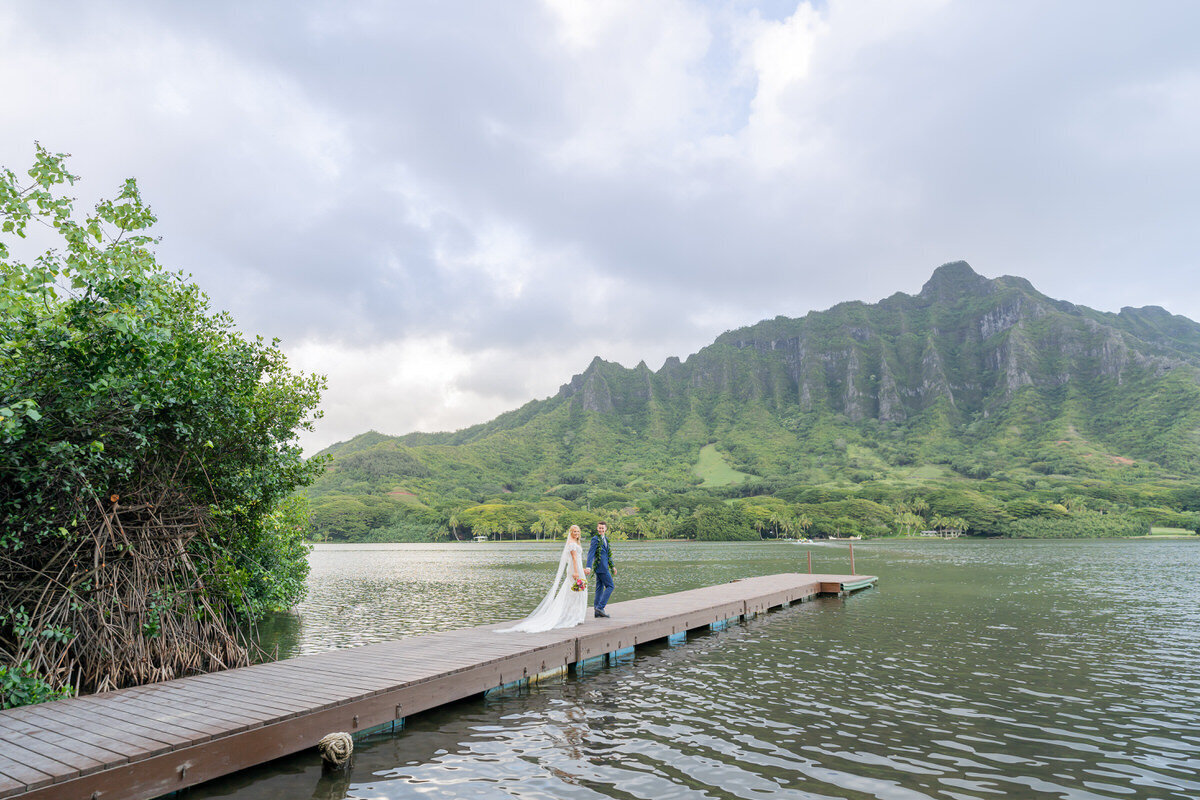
(604,588)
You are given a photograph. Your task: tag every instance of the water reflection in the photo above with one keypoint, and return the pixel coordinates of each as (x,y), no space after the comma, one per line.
(279,635)
(977,670)
(359,594)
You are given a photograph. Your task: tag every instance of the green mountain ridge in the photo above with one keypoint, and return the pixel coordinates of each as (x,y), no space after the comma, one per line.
(976,380)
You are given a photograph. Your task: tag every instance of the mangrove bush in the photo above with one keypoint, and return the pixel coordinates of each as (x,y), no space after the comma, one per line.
(147,454)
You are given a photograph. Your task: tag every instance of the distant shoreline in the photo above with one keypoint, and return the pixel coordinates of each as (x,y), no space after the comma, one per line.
(1147,537)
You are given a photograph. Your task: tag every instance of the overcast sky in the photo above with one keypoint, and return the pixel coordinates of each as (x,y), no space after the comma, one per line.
(449,208)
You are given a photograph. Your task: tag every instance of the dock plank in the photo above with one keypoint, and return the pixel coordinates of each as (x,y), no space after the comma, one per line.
(160,717)
(169,709)
(51,759)
(189,698)
(28,777)
(115,723)
(9,786)
(149,740)
(76,720)
(221,701)
(71,739)
(101,756)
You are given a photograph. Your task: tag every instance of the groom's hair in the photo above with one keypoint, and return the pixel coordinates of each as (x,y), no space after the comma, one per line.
(602,525)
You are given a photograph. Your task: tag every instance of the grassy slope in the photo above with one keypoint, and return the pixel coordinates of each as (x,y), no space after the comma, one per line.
(714,470)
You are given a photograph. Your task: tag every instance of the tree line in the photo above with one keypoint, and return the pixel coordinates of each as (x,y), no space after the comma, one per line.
(800,512)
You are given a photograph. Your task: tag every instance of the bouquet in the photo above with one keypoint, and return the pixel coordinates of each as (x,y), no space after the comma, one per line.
(580,585)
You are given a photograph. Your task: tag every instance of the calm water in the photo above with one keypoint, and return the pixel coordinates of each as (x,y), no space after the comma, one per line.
(975,670)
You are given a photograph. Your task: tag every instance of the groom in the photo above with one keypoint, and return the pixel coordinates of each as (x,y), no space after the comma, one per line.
(601,554)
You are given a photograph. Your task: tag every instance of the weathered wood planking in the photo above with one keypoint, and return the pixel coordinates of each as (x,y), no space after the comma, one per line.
(150,740)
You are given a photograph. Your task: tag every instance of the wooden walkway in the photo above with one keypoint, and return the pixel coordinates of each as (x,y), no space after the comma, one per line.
(151,740)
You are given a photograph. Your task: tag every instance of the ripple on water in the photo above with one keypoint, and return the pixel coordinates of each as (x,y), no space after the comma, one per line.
(977,670)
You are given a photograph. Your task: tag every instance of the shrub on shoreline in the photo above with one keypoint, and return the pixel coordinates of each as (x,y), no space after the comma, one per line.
(147,449)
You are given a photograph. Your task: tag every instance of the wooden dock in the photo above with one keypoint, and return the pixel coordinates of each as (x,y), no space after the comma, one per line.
(151,740)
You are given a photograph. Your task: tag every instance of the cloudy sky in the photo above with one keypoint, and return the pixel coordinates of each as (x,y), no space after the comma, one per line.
(449,208)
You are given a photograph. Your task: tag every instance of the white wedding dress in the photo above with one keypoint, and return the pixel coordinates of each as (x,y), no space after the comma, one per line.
(562,607)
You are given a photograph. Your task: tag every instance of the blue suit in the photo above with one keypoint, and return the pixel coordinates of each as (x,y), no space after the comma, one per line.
(600,554)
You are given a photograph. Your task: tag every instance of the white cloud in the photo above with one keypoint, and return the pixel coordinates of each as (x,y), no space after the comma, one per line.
(634,89)
(451,208)
(426,384)
(145,93)
(781,128)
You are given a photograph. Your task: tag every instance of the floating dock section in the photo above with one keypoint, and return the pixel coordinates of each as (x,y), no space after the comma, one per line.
(150,740)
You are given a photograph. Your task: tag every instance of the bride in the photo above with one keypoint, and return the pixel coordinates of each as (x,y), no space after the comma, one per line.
(565,605)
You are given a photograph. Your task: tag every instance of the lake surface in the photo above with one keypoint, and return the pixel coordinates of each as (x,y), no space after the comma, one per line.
(977,669)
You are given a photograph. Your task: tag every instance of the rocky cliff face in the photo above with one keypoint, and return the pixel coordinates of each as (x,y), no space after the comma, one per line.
(964,341)
(964,349)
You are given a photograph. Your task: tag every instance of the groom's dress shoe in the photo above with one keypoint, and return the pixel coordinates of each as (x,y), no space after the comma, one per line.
(600,613)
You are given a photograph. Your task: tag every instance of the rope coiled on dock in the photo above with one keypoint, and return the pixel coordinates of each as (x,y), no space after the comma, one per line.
(336,749)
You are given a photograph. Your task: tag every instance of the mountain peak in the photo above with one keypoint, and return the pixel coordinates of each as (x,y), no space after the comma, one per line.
(976,379)
(589,382)
(953,280)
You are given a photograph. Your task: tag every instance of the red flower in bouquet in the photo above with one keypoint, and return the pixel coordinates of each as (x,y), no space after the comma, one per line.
(579,586)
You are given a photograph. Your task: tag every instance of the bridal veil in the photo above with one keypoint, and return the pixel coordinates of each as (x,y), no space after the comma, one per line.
(557,609)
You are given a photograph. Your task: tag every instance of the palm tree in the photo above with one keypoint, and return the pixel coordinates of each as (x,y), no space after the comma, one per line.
(787,522)
(945,525)
(545,525)
(640,525)
(660,523)
(907,522)
(1074,503)
(920,507)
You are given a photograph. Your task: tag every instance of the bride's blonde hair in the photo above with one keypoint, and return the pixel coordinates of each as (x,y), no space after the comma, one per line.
(574,529)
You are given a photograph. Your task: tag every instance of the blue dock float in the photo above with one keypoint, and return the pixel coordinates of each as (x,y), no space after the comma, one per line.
(149,741)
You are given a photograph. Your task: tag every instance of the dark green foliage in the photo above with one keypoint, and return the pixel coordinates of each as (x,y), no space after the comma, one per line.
(267,569)
(1029,507)
(722,523)
(148,451)
(983,514)
(1169,518)
(684,529)
(404,530)
(850,517)
(344,517)
(1082,524)
(21,685)
(388,460)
